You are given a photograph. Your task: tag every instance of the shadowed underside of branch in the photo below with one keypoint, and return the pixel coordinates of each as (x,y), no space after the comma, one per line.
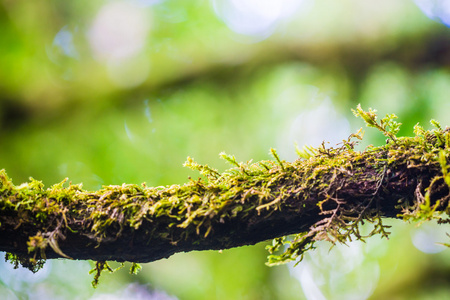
(324,195)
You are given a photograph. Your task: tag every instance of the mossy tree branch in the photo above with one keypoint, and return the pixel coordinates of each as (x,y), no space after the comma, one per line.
(324,195)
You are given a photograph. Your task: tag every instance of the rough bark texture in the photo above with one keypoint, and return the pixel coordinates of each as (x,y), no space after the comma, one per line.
(325,195)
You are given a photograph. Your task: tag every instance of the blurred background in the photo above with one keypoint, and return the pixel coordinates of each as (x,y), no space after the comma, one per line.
(107,92)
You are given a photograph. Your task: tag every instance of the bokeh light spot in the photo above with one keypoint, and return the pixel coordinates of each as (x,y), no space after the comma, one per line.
(324,273)
(435,9)
(254,18)
(65,43)
(119,30)
(427,237)
(21,277)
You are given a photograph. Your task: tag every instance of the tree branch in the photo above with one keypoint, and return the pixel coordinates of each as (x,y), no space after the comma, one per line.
(325,195)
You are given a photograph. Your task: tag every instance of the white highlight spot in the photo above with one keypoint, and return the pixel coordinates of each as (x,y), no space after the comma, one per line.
(320,124)
(119,30)
(310,125)
(435,9)
(427,237)
(343,272)
(309,286)
(256,18)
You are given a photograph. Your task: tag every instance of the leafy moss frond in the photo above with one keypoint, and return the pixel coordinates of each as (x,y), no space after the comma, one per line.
(326,194)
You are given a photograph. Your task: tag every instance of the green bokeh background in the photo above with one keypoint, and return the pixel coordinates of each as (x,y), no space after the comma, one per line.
(195,87)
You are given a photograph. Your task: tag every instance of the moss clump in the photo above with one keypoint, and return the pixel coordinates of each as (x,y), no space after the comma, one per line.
(324,195)
(427,149)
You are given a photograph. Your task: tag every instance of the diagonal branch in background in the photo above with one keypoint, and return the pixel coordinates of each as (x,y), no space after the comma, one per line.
(324,195)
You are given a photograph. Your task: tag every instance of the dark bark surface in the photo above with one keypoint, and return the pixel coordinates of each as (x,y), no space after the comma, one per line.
(362,187)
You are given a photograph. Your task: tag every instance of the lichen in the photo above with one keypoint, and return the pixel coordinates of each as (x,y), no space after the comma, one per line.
(342,186)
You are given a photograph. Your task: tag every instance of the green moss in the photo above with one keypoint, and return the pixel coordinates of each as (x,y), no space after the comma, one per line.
(247,189)
(425,149)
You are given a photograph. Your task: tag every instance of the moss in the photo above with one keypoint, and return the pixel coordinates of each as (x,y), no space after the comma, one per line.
(343,187)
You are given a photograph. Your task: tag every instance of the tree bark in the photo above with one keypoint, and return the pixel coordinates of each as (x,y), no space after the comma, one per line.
(325,196)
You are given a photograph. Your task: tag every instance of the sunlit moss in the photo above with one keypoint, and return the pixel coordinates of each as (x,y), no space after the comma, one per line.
(248,190)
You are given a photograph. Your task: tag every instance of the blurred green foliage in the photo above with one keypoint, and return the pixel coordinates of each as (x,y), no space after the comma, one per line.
(79,101)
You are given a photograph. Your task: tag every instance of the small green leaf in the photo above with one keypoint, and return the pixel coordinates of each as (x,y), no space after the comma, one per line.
(419,130)
(436,124)
(135,268)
